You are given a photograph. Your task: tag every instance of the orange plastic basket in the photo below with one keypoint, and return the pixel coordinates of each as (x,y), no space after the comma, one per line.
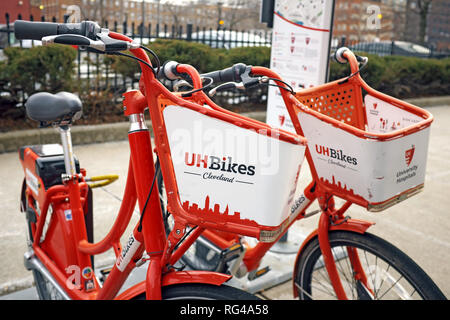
(341,102)
(363,145)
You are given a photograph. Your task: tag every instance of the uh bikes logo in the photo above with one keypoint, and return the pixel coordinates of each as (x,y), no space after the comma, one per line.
(221,169)
(336,157)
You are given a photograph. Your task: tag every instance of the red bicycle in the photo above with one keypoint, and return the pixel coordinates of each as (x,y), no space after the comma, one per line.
(56,196)
(217,185)
(351,136)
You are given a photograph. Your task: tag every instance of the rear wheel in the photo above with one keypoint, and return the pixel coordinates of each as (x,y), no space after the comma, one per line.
(390,273)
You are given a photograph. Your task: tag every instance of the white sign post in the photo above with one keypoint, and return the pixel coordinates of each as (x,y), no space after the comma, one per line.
(301,39)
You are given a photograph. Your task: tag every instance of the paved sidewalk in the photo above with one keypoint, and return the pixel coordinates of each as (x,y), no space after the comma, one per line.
(419,226)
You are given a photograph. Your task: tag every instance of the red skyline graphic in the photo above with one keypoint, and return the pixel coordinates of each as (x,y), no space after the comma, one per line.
(221,218)
(194,208)
(338,184)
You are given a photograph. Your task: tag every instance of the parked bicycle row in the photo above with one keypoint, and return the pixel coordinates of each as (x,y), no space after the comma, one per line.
(219,177)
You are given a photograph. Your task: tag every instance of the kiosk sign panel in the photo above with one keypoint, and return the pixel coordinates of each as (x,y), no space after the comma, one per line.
(300,50)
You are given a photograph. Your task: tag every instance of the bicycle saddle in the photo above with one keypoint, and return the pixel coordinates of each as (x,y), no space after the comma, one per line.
(47,107)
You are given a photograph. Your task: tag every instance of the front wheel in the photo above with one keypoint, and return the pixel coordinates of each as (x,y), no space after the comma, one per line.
(202,291)
(390,273)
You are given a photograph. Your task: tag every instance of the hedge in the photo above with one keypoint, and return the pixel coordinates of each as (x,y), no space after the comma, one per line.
(48,68)
(51,68)
(403,77)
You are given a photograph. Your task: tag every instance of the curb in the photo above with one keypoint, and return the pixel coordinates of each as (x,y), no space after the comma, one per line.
(82,134)
(430,101)
(85,134)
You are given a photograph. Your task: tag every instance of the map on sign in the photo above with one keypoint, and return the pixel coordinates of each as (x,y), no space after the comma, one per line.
(308,13)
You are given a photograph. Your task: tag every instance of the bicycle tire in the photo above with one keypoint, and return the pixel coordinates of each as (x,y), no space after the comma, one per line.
(311,277)
(44,289)
(202,291)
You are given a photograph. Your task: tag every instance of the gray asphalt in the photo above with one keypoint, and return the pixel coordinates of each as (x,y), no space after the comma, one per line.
(419,226)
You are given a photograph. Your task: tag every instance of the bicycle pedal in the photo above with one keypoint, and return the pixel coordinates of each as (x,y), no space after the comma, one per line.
(232,252)
(258,273)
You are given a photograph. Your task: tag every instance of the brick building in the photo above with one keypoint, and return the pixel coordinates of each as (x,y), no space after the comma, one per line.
(14,8)
(364,20)
(437,33)
(200,13)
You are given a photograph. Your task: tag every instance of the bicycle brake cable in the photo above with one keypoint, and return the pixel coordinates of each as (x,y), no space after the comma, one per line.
(135,58)
(265,80)
(158,62)
(189,93)
(363,65)
(139,228)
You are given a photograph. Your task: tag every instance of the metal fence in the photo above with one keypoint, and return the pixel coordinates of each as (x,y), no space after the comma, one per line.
(90,66)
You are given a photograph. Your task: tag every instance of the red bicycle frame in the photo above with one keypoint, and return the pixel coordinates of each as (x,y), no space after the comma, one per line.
(152,238)
(331,218)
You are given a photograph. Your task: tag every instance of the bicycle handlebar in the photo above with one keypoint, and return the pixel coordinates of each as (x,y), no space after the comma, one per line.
(234,73)
(38,30)
(87,33)
(236,76)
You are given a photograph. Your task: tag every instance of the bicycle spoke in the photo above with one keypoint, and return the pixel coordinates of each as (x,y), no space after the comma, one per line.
(370,275)
(328,289)
(303,290)
(342,271)
(325,280)
(382,280)
(391,286)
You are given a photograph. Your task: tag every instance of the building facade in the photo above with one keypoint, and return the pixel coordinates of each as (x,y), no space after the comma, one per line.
(17,8)
(364,21)
(202,13)
(437,27)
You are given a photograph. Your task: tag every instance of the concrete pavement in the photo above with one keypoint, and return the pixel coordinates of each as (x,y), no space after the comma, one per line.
(419,226)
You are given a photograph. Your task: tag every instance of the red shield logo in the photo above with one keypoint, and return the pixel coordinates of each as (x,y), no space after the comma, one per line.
(307,40)
(409,154)
(281,118)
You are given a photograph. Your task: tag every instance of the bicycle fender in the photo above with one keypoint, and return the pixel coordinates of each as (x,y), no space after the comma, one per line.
(354,225)
(178,277)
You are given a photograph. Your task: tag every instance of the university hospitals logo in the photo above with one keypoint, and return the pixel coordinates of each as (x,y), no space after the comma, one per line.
(409,154)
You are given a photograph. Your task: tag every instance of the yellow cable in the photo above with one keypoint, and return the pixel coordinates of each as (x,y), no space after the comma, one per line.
(105,180)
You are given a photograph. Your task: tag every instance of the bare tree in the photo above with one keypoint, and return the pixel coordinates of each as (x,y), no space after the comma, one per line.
(175,11)
(239,12)
(422,9)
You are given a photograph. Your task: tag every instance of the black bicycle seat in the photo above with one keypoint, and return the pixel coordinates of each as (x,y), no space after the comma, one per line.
(47,107)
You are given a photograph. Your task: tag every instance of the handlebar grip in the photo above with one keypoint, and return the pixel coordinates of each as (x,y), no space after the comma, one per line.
(231,74)
(34,30)
(38,30)
(339,56)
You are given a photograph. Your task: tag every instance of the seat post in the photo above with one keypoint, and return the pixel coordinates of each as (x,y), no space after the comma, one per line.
(66,140)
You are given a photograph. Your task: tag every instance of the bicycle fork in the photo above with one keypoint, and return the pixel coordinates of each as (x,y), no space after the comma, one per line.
(332,219)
